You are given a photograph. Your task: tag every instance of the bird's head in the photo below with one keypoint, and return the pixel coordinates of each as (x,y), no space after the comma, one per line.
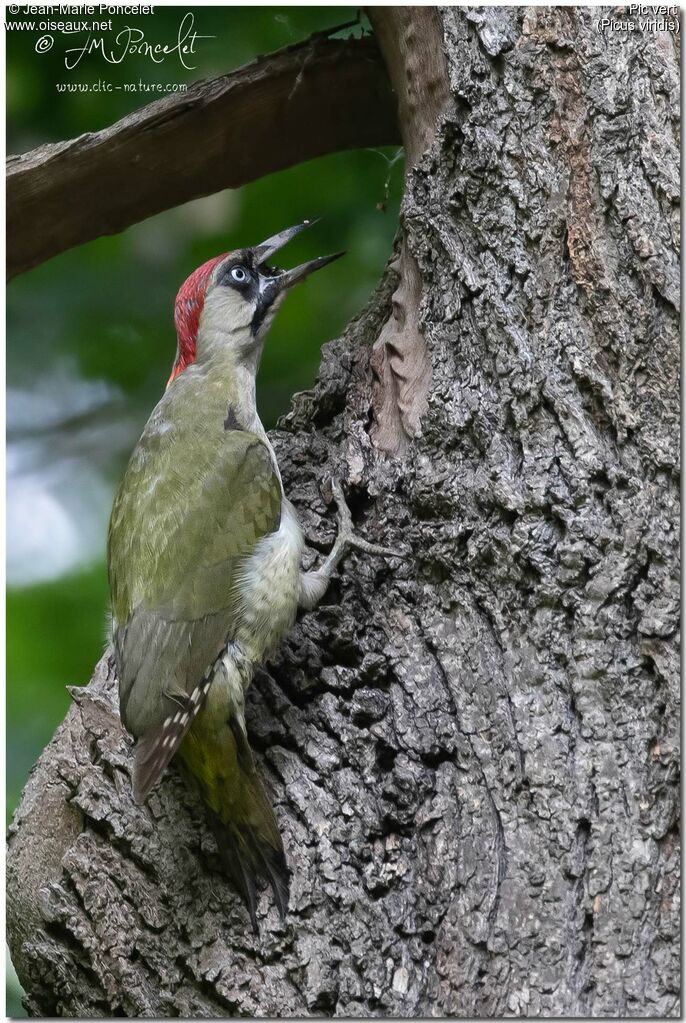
(229,302)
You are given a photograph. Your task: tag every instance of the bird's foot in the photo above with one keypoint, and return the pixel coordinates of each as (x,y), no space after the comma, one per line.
(347,537)
(313,584)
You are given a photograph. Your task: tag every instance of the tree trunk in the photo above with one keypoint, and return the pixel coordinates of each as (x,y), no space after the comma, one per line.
(472,749)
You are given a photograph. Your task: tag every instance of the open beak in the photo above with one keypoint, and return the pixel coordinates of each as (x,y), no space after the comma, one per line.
(280,280)
(277,241)
(287,278)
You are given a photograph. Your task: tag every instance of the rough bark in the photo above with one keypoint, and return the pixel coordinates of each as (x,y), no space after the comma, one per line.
(473,751)
(219,134)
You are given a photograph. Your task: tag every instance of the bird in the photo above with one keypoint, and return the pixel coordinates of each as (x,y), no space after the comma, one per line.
(204,555)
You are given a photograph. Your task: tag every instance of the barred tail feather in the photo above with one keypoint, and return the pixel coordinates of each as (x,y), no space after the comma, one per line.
(155,749)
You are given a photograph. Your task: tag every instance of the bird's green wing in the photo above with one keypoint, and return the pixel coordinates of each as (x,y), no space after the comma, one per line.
(189,509)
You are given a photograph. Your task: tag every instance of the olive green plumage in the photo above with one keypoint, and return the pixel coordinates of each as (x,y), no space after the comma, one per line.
(204,556)
(194,500)
(198,494)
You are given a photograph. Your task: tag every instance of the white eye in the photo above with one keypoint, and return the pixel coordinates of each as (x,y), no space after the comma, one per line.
(239,274)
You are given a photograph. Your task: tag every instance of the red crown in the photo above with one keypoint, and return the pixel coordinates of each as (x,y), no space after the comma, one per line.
(187,309)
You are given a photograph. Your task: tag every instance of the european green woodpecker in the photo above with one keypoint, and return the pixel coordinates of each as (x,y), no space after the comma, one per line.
(204,555)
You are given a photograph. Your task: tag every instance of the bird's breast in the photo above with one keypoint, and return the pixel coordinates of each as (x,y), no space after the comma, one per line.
(267,588)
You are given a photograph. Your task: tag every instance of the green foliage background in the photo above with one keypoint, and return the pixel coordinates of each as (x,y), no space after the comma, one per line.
(102,314)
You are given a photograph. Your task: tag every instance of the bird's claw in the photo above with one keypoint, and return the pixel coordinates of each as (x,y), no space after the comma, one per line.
(346,533)
(345,522)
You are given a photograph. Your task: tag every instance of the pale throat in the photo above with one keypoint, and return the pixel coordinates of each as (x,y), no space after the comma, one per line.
(228,356)
(229,362)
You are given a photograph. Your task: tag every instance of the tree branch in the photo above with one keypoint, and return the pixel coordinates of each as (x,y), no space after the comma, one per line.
(317,97)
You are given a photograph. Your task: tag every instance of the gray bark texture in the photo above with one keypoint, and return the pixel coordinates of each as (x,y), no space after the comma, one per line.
(472,748)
